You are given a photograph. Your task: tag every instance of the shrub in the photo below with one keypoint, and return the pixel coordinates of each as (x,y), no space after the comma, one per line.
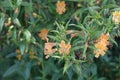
(57,40)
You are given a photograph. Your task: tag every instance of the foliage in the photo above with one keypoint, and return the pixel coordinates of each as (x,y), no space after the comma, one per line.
(57,40)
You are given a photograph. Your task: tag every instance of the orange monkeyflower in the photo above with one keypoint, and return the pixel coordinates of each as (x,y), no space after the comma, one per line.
(101,45)
(64,48)
(43,34)
(48,49)
(116,17)
(19,56)
(60,7)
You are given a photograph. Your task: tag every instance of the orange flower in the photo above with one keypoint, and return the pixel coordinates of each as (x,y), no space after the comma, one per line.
(48,50)
(64,48)
(101,45)
(43,34)
(60,7)
(18,54)
(116,17)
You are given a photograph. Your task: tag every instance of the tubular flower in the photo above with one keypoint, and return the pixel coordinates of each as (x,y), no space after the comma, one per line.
(116,17)
(60,7)
(64,48)
(48,49)
(101,45)
(43,34)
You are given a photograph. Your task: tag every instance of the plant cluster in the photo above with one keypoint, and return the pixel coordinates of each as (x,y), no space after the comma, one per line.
(59,39)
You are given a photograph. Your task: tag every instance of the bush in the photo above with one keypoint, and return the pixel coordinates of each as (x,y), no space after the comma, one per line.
(57,40)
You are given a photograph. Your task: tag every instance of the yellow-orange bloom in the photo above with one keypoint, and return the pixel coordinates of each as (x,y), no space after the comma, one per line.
(64,48)
(48,49)
(43,34)
(101,45)
(116,17)
(60,7)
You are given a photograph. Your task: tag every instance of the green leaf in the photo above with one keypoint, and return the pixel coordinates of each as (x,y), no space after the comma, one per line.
(11,70)
(70,74)
(17,22)
(22,47)
(27,71)
(19,2)
(11,55)
(66,66)
(2,19)
(77,48)
(112,40)
(27,35)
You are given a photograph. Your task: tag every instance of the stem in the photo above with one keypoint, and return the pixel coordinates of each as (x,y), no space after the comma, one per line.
(43,72)
(85,49)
